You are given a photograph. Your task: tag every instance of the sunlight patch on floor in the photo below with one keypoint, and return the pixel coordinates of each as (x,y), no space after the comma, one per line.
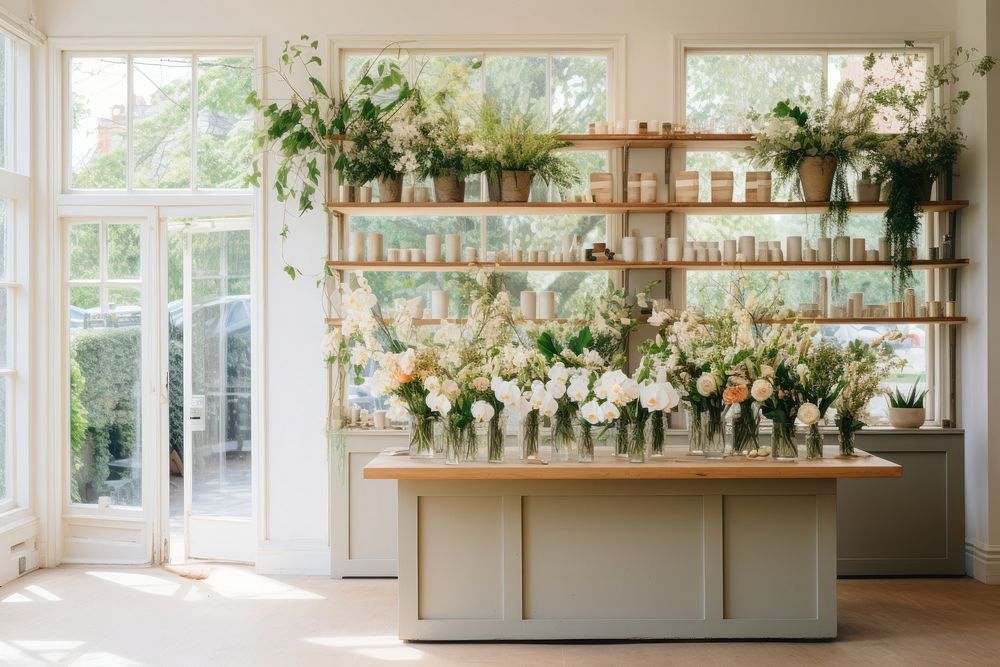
(242,584)
(144,583)
(380,647)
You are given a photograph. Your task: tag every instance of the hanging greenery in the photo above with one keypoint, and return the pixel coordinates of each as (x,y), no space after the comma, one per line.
(926,146)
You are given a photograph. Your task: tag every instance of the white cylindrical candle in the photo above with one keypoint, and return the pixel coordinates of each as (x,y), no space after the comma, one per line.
(471,254)
(701,254)
(415,307)
(688,254)
(871,255)
(546,305)
(895,309)
(517,255)
(763,254)
(793,248)
(842,249)
(601,127)
(748,247)
(345,193)
(406,194)
(856,304)
(714,254)
(543,256)
(823,249)
(532,257)
(650,249)
(775,255)
(857,250)
(365,193)
(374,247)
(620,126)
(822,299)
(404,254)
(529,305)
(439,304)
(633,127)
(356,247)
(950,309)
(809,254)
(675,249)
(630,248)
(934,309)
(432,247)
(452,247)
(393,254)
(568,243)
(647,188)
(883,248)
(729,250)
(909,303)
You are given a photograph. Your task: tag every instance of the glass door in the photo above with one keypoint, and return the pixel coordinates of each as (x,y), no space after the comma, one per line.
(211,447)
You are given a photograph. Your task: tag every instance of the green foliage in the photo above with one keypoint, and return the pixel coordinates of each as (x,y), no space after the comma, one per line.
(108,362)
(512,141)
(77,426)
(913,399)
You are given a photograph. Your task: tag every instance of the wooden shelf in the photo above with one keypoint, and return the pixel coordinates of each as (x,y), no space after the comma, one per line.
(429,322)
(684,140)
(615,208)
(874,320)
(919,264)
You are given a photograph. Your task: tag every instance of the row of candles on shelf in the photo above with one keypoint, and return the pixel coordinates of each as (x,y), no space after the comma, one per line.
(855,308)
(362,247)
(535,305)
(642,187)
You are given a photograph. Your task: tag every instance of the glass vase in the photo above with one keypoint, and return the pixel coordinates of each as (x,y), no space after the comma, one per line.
(585,443)
(470,443)
(621,438)
(421,437)
(496,433)
(529,436)
(657,433)
(713,429)
(814,442)
(637,441)
(439,440)
(746,428)
(783,447)
(845,434)
(696,438)
(563,435)
(454,441)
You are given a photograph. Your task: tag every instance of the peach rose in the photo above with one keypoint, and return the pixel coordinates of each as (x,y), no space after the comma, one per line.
(735,394)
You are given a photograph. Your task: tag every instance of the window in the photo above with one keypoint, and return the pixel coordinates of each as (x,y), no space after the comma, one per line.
(564,91)
(15,187)
(159,122)
(104,318)
(721,86)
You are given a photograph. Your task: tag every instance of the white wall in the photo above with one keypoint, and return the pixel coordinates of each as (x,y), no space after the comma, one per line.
(297,477)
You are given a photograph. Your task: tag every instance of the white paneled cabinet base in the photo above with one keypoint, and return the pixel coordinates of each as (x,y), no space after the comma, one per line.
(532,553)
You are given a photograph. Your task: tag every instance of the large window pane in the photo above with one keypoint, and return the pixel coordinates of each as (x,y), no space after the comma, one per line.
(850,67)
(225,123)
(99,92)
(722,88)
(5,215)
(6,81)
(161,122)
(518,83)
(579,92)
(5,449)
(85,252)
(123,251)
(105,400)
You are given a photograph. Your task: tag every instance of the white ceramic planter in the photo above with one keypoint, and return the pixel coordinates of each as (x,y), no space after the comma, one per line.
(907,417)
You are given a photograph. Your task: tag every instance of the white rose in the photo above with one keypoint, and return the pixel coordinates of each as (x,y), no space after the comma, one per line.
(808,414)
(482,411)
(766,371)
(707,385)
(761,390)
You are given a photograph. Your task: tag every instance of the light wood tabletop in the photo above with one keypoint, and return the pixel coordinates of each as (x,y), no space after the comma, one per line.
(675,464)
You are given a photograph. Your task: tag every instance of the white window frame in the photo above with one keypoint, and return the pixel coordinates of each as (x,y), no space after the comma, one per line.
(940,378)
(156,204)
(16,186)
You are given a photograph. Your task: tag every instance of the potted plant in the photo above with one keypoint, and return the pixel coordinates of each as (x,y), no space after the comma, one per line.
(815,147)
(384,149)
(515,152)
(305,132)
(447,154)
(907,410)
(927,144)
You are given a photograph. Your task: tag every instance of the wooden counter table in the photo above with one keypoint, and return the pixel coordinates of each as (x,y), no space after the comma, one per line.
(678,547)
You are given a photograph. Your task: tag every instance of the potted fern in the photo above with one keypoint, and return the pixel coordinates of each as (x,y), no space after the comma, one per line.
(515,152)
(448,155)
(815,147)
(907,410)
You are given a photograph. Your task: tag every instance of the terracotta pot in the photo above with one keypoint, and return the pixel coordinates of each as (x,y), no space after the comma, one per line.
(390,189)
(816,177)
(449,189)
(907,417)
(868,191)
(516,185)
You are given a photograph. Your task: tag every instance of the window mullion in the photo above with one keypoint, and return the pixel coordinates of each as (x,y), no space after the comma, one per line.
(194,124)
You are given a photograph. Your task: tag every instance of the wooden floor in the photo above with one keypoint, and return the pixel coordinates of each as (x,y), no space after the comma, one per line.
(113,617)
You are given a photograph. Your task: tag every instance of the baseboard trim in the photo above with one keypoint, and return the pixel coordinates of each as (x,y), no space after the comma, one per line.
(294,557)
(983,562)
